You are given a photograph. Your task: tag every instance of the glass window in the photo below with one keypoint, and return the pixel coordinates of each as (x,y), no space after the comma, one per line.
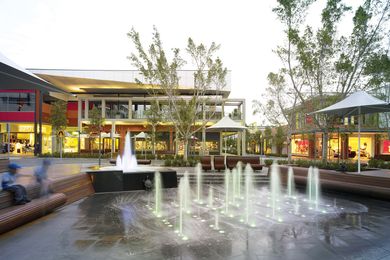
(117,109)
(17,102)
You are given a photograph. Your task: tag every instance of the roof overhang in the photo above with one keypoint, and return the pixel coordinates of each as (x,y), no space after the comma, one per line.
(14,77)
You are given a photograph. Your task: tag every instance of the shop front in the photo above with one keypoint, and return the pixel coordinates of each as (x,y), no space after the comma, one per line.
(21,138)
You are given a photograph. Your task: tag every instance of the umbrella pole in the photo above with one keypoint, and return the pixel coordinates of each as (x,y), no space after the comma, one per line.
(359,140)
(225,148)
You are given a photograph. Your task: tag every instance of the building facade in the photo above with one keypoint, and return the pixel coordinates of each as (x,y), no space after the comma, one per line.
(123,104)
(307,138)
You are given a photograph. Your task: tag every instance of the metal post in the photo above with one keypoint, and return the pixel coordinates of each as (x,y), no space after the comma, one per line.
(359,111)
(9,139)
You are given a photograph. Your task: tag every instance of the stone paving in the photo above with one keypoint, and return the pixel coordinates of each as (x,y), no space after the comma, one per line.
(118,226)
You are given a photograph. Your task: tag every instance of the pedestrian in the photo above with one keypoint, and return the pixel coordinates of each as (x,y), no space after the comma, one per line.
(8,182)
(40,174)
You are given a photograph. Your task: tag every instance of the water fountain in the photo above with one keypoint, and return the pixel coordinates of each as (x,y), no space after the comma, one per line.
(127,175)
(211,197)
(181,193)
(290,182)
(313,186)
(129,161)
(157,194)
(227,189)
(252,210)
(198,171)
(248,193)
(275,189)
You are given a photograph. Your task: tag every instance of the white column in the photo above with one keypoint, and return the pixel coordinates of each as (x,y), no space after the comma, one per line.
(243,142)
(112,138)
(86,105)
(103,108)
(130,109)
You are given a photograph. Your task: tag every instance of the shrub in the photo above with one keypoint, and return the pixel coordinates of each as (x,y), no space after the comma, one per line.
(268,162)
(282,161)
(375,163)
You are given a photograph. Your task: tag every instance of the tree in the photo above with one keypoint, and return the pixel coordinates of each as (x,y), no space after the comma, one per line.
(161,72)
(58,119)
(268,139)
(319,61)
(154,115)
(279,139)
(96,125)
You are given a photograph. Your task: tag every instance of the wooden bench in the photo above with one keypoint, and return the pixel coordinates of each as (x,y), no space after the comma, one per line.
(75,187)
(231,161)
(377,187)
(219,163)
(15,216)
(254,162)
(66,190)
(4,164)
(206,163)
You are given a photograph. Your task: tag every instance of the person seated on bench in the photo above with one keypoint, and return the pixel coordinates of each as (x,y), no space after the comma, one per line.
(40,174)
(8,183)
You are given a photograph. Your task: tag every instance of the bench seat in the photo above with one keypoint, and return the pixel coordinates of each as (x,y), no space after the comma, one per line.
(14,216)
(206,163)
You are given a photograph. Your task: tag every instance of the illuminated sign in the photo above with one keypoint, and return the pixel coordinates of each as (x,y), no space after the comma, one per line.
(386,146)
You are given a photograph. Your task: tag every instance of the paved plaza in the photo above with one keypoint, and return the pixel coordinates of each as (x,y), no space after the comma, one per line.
(119,226)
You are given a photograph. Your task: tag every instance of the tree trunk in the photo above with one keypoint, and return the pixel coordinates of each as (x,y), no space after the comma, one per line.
(100,148)
(185,157)
(154,141)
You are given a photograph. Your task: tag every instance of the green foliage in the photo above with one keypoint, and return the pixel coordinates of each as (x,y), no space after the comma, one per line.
(348,166)
(279,139)
(96,119)
(282,161)
(268,162)
(376,163)
(162,74)
(58,118)
(180,162)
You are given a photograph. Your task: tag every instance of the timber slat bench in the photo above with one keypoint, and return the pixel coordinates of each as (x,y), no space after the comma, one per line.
(254,162)
(206,163)
(15,216)
(372,186)
(66,190)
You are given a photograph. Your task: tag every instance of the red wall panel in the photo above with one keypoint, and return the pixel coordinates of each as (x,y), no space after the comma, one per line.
(17,116)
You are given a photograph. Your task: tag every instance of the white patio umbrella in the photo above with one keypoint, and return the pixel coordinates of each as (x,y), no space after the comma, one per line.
(226,124)
(356,104)
(142,136)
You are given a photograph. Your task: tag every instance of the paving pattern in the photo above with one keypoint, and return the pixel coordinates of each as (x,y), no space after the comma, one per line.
(120,226)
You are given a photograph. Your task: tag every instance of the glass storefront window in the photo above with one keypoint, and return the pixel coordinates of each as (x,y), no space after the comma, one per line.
(22,139)
(300,146)
(366,146)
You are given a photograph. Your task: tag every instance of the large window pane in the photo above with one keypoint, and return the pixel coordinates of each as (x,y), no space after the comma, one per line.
(117,109)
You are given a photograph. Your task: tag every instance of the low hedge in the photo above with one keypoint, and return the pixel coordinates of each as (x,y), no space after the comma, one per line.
(377,163)
(178,161)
